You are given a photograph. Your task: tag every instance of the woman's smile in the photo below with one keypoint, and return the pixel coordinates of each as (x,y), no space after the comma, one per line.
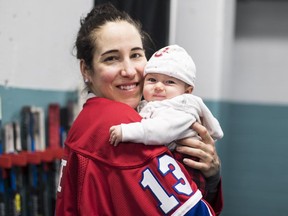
(128,87)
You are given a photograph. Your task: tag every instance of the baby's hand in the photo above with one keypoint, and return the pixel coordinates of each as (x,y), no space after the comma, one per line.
(115,135)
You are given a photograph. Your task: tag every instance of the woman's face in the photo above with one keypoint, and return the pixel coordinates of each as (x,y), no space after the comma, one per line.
(118,63)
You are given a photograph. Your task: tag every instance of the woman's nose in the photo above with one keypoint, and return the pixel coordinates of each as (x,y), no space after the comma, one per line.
(128,70)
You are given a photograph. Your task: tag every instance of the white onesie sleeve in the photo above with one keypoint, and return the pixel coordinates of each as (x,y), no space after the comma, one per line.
(164,127)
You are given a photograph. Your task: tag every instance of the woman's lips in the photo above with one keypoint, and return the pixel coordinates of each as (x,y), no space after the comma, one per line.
(128,87)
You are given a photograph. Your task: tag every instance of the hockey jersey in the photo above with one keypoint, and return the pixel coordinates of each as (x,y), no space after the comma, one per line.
(97,178)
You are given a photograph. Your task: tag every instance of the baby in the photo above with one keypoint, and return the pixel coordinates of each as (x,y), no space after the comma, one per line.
(169,108)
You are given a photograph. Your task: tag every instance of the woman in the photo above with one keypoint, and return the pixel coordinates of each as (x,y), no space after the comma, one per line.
(99,179)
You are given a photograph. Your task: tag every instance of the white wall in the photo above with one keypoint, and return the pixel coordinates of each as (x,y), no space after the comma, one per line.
(37,37)
(36,40)
(205,29)
(247,67)
(261,53)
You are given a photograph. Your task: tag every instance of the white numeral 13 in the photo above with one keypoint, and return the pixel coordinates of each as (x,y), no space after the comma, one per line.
(149,180)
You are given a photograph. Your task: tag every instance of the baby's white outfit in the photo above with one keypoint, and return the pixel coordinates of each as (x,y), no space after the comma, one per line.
(169,120)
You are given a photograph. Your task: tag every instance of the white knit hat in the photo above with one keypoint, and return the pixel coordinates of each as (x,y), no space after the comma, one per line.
(173,61)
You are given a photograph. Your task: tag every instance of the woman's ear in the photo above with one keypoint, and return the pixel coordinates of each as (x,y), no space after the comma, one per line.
(189,89)
(84,70)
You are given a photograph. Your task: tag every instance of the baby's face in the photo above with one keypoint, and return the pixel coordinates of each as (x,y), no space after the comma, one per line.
(159,87)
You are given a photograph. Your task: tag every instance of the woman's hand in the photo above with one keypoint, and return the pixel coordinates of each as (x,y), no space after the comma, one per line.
(204,149)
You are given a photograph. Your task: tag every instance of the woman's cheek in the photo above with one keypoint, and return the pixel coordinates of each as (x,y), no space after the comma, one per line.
(109,76)
(141,67)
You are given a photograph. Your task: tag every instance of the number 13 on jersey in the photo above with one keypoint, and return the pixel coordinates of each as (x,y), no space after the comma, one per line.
(166,165)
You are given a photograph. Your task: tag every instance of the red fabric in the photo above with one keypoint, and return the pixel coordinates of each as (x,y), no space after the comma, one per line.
(100,179)
(217,198)
(214,199)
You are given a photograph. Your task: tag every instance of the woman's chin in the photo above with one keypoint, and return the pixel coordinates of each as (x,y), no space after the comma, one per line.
(132,102)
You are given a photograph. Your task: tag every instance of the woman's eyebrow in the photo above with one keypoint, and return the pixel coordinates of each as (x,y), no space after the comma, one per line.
(115,50)
(137,48)
(109,51)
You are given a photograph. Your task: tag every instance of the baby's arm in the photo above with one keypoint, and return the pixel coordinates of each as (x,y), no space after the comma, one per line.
(131,132)
(160,130)
(115,135)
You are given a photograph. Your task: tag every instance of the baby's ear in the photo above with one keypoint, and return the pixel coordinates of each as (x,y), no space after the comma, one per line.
(189,89)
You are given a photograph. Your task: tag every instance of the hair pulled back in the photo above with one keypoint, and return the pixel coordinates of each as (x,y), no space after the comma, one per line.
(95,19)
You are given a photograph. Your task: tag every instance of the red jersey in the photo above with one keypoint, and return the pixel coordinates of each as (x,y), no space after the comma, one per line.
(130,179)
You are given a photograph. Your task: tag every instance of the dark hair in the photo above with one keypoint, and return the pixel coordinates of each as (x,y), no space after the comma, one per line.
(96,18)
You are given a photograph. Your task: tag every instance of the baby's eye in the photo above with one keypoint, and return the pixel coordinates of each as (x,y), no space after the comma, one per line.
(151,79)
(170,82)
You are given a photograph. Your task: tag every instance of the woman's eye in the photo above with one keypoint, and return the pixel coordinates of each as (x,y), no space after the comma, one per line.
(110,58)
(136,55)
